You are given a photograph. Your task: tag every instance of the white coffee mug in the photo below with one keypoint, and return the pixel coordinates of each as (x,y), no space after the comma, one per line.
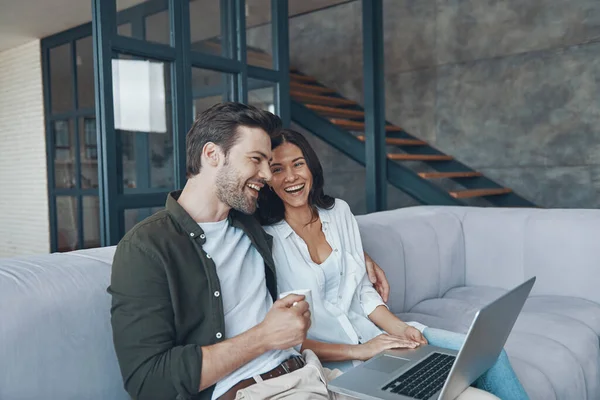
(307,293)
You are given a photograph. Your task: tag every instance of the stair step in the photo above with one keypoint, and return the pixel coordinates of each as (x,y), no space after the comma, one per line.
(259,59)
(302,78)
(419,157)
(323,100)
(399,141)
(440,175)
(359,126)
(464,194)
(336,112)
(302,87)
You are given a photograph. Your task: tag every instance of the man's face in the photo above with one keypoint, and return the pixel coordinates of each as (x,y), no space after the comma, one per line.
(245,170)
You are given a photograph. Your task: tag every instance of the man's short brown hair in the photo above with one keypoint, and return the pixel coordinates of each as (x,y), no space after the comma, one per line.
(219,125)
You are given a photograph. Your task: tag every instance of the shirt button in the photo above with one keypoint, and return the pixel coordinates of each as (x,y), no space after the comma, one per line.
(202,236)
(192,234)
(217,294)
(219,335)
(341,273)
(208,256)
(336,250)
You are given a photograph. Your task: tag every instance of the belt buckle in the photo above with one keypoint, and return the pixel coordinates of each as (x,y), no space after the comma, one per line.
(298,362)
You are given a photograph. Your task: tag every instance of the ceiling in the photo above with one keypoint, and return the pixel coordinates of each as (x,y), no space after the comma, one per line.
(24,20)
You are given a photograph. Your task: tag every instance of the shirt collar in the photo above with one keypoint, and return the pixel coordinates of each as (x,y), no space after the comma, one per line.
(183,218)
(286,230)
(190,226)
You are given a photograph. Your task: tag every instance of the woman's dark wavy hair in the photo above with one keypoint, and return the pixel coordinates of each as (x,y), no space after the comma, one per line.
(270,207)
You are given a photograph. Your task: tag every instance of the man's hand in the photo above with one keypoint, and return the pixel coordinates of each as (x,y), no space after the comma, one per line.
(412,333)
(286,324)
(377,278)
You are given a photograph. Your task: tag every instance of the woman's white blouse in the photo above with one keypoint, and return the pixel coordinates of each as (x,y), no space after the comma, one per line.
(342,294)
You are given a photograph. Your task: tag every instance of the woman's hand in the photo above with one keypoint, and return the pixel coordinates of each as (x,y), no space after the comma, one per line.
(381,343)
(377,278)
(412,333)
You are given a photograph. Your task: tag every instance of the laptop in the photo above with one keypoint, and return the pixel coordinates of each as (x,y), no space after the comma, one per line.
(434,373)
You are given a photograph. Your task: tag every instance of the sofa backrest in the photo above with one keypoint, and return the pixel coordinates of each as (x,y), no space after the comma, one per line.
(504,247)
(426,250)
(55,335)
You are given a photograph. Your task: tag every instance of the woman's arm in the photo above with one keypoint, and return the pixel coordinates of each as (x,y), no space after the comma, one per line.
(331,352)
(371,301)
(386,320)
(328,352)
(369,296)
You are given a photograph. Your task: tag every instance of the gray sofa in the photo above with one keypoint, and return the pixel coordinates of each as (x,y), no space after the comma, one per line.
(443,263)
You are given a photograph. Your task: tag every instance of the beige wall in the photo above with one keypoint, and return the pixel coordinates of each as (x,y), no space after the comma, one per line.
(24,226)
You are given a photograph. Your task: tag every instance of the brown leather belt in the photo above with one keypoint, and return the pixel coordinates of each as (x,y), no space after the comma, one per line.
(290,365)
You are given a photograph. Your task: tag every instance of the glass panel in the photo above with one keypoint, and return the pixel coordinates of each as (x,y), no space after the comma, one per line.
(91,221)
(136,215)
(210,87)
(206,17)
(259,38)
(61,79)
(261,94)
(158,28)
(146,20)
(67,222)
(64,154)
(142,103)
(128,159)
(161,161)
(88,153)
(124,29)
(85,72)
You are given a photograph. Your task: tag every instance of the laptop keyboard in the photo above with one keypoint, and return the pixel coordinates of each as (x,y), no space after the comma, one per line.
(424,379)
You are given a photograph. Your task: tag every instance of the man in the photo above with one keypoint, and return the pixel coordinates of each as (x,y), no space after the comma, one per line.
(194,310)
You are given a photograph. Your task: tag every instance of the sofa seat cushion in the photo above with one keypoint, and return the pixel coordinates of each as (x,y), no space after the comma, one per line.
(554,346)
(582,310)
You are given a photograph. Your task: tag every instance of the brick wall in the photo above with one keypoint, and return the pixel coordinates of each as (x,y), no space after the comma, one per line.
(24,225)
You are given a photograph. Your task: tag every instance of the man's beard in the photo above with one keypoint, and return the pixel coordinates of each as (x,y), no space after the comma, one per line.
(230,190)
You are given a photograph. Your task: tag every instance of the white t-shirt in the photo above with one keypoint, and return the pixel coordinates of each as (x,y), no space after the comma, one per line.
(246,300)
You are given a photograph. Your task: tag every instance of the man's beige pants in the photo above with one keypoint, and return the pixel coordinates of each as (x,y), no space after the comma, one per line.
(309,383)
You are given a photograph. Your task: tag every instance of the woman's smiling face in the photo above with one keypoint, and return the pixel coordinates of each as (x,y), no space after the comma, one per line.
(292,179)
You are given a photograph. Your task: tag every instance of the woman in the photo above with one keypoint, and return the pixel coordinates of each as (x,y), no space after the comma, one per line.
(317,246)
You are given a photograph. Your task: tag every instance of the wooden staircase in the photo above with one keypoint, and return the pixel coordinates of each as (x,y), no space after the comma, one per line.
(460,184)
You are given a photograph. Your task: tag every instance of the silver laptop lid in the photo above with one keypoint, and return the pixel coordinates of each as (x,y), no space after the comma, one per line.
(486,338)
